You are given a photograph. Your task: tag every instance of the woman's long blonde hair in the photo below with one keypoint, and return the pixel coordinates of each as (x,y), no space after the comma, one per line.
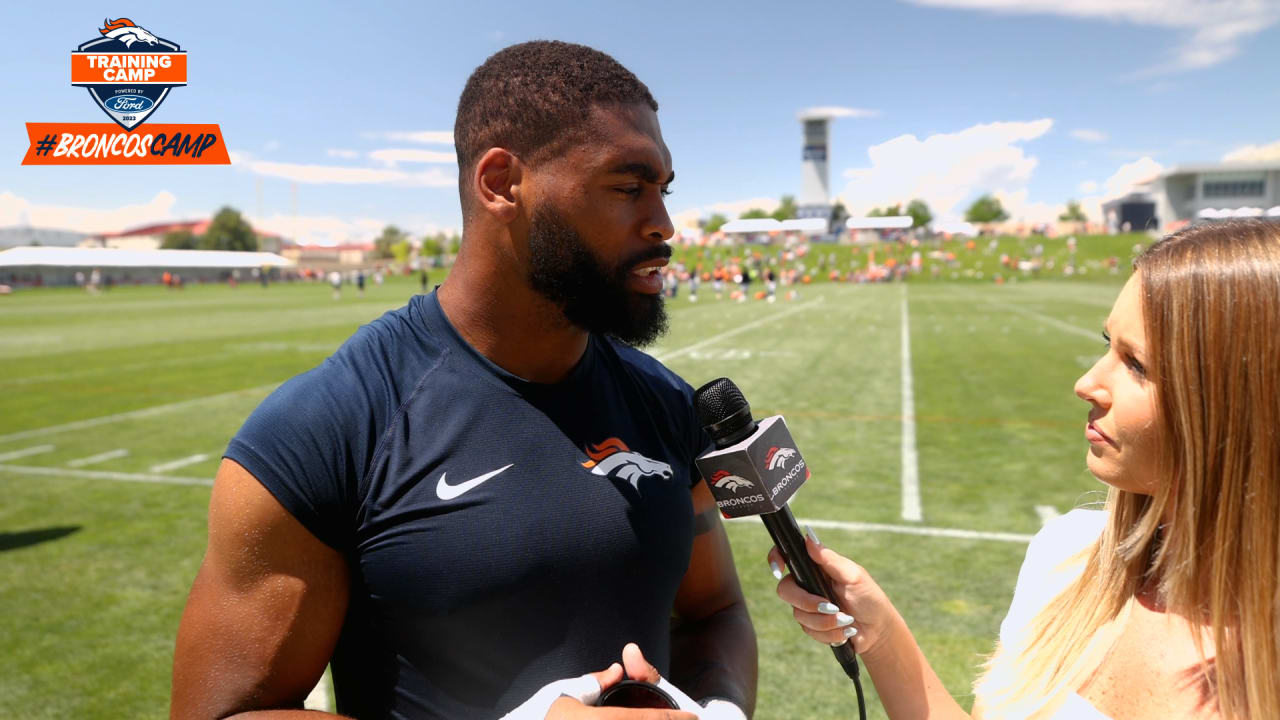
(1210,535)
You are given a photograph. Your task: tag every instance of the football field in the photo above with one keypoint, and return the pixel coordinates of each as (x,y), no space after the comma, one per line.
(938,420)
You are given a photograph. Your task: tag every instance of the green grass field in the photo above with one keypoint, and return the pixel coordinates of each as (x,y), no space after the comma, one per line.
(114,410)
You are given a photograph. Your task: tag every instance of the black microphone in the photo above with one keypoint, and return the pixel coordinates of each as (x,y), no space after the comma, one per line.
(754,470)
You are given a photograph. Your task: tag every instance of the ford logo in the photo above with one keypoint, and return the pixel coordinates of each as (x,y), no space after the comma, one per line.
(128,103)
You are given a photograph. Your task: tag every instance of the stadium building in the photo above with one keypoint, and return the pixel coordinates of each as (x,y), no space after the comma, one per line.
(1186,193)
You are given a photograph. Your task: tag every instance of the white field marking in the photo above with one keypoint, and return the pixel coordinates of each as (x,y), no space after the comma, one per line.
(730,333)
(1091,334)
(925,531)
(25,452)
(911,510)
(180,463)
(105,475)
(132,414)
(318,698)
(100,457)
(1046,513)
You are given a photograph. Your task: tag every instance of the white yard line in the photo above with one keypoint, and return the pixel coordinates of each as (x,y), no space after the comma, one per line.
(180,463)
(1055,322)
(730,333)
(955,533)
(104,475)
(1046,513)
(133,414)
(100,457)
(25,452)
(318,698)
(911,510)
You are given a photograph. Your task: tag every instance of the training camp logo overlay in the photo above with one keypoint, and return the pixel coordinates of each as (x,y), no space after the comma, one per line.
(128,71)
(612,458)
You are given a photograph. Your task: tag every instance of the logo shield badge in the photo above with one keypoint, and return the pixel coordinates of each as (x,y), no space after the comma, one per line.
(128,71)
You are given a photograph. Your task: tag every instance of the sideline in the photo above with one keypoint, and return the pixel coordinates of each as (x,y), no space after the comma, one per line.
(911,510)
(141,413)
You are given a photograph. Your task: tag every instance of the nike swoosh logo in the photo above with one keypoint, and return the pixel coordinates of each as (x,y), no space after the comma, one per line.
(445,491)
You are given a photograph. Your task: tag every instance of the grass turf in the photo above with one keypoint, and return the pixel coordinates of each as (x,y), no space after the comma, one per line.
(97,558)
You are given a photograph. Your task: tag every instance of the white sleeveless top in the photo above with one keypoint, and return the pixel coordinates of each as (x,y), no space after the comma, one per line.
(1043,576)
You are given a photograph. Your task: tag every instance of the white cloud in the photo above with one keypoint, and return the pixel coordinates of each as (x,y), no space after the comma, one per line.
(394,156)
(333,230)
(1087,135)
(345,154)
(1254,154)
(1215,29)
(428,137)
(835,111)
(16,210)
(945,169)
(343,175)
(1088,187)
(1131,175)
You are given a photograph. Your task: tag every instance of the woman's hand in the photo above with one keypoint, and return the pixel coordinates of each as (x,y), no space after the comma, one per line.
(861,613)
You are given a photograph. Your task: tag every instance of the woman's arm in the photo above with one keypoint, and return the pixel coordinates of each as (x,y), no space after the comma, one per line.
(909,689)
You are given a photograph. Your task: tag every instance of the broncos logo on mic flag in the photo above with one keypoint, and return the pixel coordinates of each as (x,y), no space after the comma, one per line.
(612,458)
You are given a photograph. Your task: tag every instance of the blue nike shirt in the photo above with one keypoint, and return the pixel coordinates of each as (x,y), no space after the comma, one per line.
(501,534)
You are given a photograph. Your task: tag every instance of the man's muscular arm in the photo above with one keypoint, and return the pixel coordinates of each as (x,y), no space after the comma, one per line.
(264,611)
(713,645)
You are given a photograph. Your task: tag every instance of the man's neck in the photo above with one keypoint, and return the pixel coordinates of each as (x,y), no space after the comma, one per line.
(509,323)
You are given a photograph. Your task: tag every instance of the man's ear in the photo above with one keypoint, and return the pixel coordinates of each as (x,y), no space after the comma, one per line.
(496,183)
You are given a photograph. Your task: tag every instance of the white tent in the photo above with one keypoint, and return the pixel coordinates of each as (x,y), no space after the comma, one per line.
(887,222)
(751,225)
(119,258)
(1274,212)
(1247,212)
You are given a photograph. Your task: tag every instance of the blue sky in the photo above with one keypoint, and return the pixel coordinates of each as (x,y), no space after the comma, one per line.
(1037,101)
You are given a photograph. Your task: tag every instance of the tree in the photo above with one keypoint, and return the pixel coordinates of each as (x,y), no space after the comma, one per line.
(1073,213)
(433,245)
(753,214)
(786,208)
(875,212)
(920,215)
(839,213)
(229,231)
(390,237)
(986,209)
(714,223)
(178,240)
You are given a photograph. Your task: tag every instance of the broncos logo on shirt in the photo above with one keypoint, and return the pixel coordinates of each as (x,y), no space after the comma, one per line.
(126,32)
(612,458)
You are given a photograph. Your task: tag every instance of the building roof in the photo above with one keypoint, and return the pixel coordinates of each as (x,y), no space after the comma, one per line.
(114,257)
(1196,168)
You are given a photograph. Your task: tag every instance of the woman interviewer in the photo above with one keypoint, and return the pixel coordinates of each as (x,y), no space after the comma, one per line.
(1166,604)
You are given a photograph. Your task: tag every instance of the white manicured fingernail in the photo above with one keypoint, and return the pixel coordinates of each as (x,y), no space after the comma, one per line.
(850,632)
(812,535)
(777,571)
(837,644)
(843,620)
(827,608)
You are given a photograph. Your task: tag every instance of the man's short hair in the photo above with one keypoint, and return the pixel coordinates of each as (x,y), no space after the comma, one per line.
(534,99)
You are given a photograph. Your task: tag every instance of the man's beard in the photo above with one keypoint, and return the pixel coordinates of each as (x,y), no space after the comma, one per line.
(592,294)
